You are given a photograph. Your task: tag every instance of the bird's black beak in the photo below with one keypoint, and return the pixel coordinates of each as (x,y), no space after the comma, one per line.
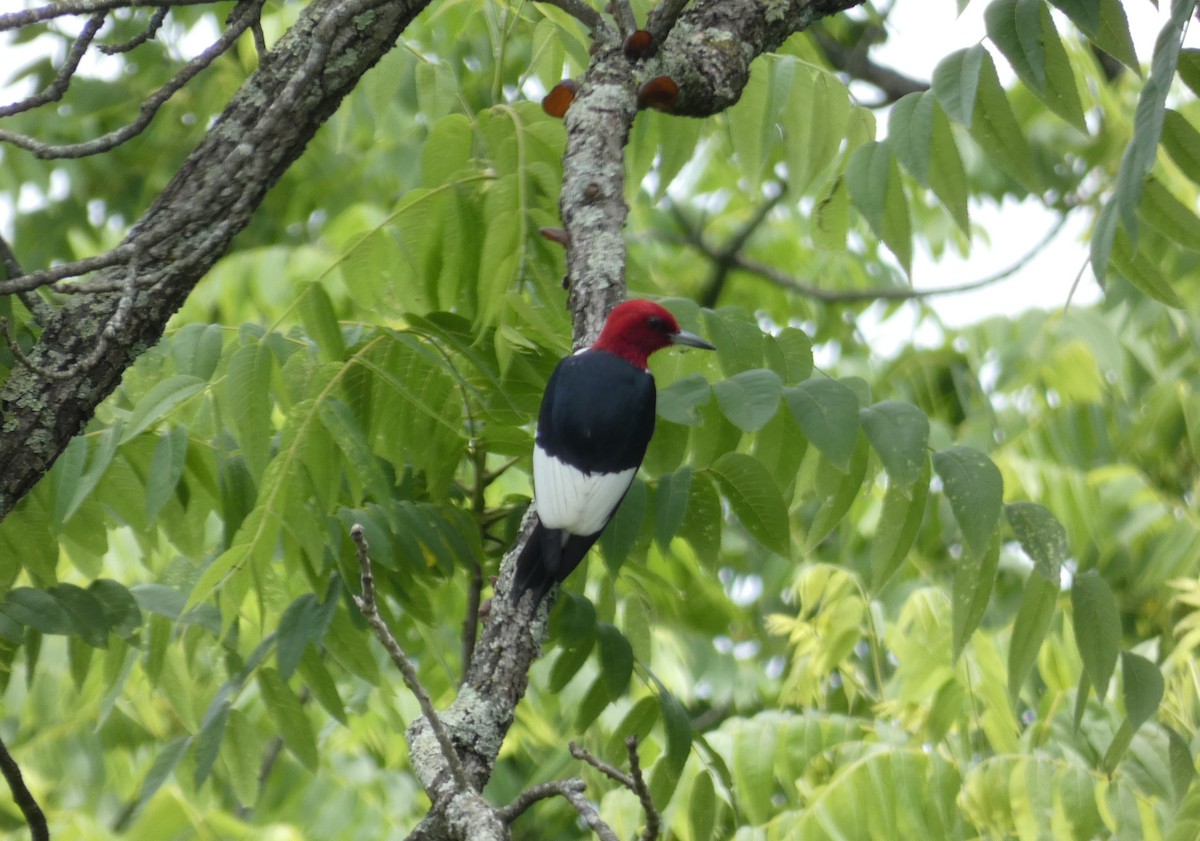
(683,337)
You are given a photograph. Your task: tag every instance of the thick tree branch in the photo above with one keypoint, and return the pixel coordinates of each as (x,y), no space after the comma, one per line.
(189,227)
(709,50)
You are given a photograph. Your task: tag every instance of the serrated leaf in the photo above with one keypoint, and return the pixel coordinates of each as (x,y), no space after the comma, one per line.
(1105,24)
(1097,625)
(811,146)
(974,579)
(827,411)
(754,498)
(294,633)
(702,522)
(212,732)
(877,191)
(248,396)
(738,339)
(956,83)
(447,150)
(166,468)
(616,659)
(164,396)
(975,489)
(1034,615)
(339,420)
(288,715)
(164,763)
(899,522)
(899,433)
(320,321)
(750,398)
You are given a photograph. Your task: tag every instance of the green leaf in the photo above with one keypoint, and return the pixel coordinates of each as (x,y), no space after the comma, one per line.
(737,337)
(1169,215)
(639,721)
(296,626)
(568,663)
(121,612)
(320,682)
(164,763)
(1029,629)
(754,498)
(835,505)
(447,150)
(616,659)
(1103,237)
(789,354)
(680,401)
(196,349)
(36,609)
(670,504)
(1042,537)
(753,767)
(1136,267)
(573,621)
(1182,143)
(750,123)
(166,468)
(899,522)
(320,321)
(899,433)
(248,395)
(679,730)
(1097,624)
(619,537)
(594,702)
(288,715)
(1105,24)
(164,396)
(1143,688)
(76,486)
(1025,32)
(956,83)
(212,732)
(1142,150)
(920,135)
(750,398)
(85,612)
(974,578)
(348,435)
(975,489)
(1183,768)
(702,522)
(827,411)
(811,146)
(1189,69)
(873,179)
(702,807)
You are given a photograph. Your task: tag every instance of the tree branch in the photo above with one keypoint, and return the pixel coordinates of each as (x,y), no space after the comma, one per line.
(370,611)
(856,63)
(24,799)
(189,227)
(55,90)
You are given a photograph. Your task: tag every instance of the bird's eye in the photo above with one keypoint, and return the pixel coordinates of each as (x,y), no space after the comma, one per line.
(655,322)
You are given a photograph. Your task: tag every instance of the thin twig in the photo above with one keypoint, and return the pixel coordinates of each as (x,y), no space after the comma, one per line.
(75,8)
(45,277)
(471,620)
(42,312)
(639,788)
(55,90)
(149,107)
(536,793)
(590,816)
(581,11)
(38,830)
(370,611)
(156,22)
(600,765)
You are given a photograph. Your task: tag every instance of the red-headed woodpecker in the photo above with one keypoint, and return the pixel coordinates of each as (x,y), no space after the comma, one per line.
(595,423)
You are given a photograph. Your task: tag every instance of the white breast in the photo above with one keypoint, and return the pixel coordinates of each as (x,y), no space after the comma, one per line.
(569,499)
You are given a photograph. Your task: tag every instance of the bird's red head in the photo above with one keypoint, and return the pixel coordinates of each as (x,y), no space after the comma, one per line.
(635,329)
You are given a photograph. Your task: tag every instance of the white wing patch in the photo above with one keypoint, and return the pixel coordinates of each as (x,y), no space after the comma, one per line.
(574,501)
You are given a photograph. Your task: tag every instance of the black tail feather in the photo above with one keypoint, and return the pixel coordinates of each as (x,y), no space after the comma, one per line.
(546,560)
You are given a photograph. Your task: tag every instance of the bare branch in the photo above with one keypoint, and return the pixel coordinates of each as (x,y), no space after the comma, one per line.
(155,23)
(38,830)
(55,90)
(856,63)
(33,280)
(600,765)
(74,8)
(249,14)
(471,621)
(537,793)
(590,816)
(581,11)
(650,833)
(366,604)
